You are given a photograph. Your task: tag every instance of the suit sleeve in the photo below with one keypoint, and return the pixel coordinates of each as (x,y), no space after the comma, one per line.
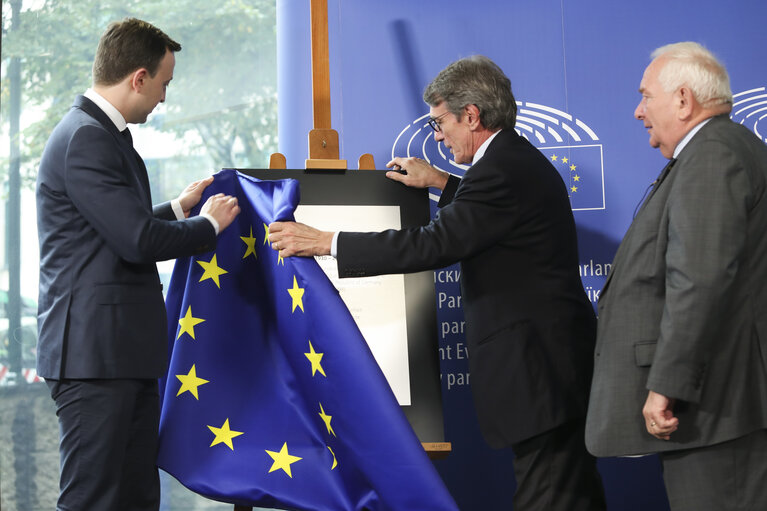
(449,192)
(99,181)
(707,219)
(483,211)
(164,211)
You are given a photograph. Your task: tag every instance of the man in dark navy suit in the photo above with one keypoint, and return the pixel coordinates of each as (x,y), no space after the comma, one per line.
(102,325)
(530,327)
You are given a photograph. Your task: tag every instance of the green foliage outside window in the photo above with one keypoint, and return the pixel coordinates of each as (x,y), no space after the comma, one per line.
(223,95)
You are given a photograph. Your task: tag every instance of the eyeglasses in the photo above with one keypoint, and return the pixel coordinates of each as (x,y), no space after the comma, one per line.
(434,122)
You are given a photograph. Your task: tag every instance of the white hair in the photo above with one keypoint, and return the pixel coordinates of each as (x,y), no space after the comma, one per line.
(690,64)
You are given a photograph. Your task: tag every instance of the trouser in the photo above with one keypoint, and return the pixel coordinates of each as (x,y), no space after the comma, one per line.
(108,444)
(555,472)
(730,476)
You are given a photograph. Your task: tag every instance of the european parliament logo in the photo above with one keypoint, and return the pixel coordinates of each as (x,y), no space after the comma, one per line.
(749,108)
(569,143)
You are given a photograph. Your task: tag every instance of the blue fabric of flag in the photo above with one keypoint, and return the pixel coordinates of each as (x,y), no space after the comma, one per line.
(272,397)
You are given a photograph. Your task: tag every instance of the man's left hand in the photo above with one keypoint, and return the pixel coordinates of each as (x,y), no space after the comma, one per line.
(296,239)
(659,417)
(192,193)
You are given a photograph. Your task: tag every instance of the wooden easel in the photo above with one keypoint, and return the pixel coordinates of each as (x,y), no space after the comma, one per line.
(323,144)
(323,140)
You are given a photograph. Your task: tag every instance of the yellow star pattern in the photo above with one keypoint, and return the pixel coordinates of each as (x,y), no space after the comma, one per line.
(282,460)
(326,419)
(572,167)
(335,461)
(212,271)
(280,260)
(190,382)
(315,358)
(573,188)
(187,323)
(576,177)
(224,435)
(297,294)
(250,242)
(564,160)
(266,234)
(553,157)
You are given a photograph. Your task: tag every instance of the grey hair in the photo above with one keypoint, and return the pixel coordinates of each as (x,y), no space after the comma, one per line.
(475,80)
(689,63)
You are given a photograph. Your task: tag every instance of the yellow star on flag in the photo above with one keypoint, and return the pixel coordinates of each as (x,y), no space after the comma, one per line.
(335,461)
(297,294)
(576,177)
(572,167)
(212,271)
(573,188)
(280,260)
(187,323)
(250,242)
(553,157)
(564,160)
(282,460)
(266,234)
(190,382)
(315,358)
(224,435)
(326,419)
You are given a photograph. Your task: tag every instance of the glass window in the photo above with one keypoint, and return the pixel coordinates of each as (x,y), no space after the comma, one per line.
(220,111)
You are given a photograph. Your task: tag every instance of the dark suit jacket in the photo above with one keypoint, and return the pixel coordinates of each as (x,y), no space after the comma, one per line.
(101,310)
(684,309)
(530,328)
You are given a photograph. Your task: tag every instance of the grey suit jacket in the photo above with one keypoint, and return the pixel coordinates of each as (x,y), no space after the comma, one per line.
(101,311)
(684,309)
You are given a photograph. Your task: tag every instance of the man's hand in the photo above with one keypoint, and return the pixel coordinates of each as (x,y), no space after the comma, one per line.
(192,193)
(419,174)
(659,417)
(294,239)
(223,208)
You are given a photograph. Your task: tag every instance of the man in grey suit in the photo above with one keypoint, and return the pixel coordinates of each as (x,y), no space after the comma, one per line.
(102,325)
(681,355)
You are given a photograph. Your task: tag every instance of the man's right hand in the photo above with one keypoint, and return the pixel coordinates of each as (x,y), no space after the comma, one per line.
(223,208)
(418,173)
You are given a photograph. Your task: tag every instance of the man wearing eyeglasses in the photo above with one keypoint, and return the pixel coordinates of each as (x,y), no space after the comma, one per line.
(530,327)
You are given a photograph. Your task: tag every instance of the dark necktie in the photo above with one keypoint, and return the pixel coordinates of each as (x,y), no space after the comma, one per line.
(663,173)
(141,171)
(654,185)
(127,135)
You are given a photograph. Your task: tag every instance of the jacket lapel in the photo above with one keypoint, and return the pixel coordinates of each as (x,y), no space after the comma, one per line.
(138,167)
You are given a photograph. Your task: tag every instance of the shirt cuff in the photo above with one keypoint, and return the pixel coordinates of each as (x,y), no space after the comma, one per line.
(334,245)
(175,204)
(212,221)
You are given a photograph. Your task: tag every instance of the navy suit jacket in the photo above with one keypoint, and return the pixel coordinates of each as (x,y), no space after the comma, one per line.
(101,310)
(530,327)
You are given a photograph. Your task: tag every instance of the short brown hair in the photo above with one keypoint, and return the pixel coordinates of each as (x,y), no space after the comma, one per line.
(129,45)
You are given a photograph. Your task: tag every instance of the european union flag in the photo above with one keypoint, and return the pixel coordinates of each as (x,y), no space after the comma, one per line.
(582,170)
(272,397)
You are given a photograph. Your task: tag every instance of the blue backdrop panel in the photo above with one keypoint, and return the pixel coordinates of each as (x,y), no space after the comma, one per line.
(575,69)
